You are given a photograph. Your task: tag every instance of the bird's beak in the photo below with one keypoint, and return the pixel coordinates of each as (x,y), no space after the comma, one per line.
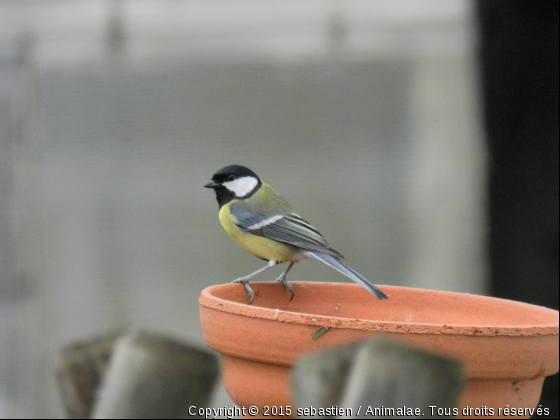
(211,184)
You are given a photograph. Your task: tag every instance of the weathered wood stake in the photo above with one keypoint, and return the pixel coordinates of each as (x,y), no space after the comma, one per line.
(379,377)
(80,370)
(155,377)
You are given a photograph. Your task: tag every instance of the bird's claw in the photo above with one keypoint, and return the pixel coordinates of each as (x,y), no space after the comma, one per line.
(286,283)
(250,292)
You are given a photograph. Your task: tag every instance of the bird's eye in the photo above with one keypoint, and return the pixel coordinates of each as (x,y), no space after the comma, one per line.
(231,177)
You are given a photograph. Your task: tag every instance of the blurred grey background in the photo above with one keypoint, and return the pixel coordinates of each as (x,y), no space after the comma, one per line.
(113,114)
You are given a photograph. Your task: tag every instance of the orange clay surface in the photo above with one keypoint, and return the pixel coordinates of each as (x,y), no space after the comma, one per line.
(507,347)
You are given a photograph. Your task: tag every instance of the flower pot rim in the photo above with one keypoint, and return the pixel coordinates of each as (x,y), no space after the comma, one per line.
(209,299)
(259,344)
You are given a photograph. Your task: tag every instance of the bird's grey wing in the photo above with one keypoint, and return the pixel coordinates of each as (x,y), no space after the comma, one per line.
(290,229)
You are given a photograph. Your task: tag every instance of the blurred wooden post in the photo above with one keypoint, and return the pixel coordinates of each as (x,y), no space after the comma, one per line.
(80,369)
(155,377)
(318,379)
(389,374)
(378,374)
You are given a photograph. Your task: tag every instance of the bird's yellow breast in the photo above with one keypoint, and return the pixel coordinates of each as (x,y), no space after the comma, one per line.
(267,249)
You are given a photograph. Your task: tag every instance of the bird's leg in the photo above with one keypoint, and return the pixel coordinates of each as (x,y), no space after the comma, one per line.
(245,279)
(282,279)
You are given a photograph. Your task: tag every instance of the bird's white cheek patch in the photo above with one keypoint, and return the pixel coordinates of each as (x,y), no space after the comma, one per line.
(241,186)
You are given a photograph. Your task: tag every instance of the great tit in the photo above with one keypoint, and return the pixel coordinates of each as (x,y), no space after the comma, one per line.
(263,222)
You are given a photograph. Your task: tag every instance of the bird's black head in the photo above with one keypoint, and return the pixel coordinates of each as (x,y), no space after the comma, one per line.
(234,181)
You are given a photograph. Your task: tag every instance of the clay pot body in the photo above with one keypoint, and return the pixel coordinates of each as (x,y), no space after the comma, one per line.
(507,347)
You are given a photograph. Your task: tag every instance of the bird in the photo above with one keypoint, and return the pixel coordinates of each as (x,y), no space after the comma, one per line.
(263,223)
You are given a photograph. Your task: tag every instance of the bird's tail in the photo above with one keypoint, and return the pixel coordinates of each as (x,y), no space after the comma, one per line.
(347,271)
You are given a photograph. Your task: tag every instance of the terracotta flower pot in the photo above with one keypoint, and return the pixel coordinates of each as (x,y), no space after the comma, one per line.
(508,347)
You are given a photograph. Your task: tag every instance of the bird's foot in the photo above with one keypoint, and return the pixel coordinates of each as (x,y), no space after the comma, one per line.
(282,279)
(250,292)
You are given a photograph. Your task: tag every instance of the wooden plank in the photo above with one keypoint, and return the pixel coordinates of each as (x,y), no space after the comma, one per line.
(80,369)
(376,379)
(155,377)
